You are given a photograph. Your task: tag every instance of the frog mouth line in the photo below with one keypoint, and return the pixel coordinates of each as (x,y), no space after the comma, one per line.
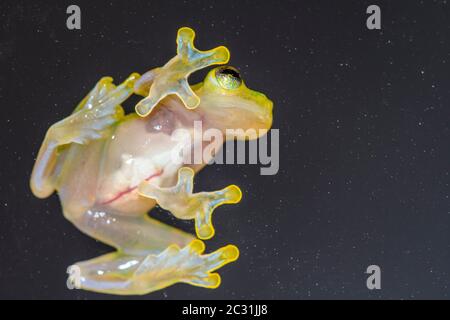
(127,191)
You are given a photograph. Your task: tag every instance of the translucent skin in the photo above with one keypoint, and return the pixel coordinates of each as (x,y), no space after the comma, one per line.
(172,78)
(110,169)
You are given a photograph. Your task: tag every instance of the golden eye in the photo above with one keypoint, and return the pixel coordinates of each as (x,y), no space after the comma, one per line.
(228,77)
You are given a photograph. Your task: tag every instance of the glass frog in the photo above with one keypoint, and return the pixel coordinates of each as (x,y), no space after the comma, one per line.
(110,169)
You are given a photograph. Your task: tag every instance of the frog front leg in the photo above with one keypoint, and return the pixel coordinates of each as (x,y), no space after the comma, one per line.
(125,274)
(184,204)
(91,119)
(172,78)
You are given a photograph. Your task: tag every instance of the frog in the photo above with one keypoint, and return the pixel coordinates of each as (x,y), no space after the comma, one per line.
(110,169)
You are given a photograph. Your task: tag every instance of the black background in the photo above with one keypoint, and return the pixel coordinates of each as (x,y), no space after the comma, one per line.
(364,141)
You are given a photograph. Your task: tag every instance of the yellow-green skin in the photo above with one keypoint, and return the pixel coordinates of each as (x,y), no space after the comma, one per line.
(110,169)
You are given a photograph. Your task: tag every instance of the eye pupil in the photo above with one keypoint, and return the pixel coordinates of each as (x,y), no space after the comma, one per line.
(228,77)
(231,72)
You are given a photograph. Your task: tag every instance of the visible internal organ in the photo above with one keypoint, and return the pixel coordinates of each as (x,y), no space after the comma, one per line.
(126,179)
(131,189)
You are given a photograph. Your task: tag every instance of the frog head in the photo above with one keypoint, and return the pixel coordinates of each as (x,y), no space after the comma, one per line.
(222,98)
(228,103)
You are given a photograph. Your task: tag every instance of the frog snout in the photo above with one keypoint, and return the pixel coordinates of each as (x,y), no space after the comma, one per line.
(265,113)
(269,105)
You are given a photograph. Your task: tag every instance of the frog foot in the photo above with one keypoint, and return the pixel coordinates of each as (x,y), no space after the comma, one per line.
(172,77)
(184,204)
(188,265)
(98,111)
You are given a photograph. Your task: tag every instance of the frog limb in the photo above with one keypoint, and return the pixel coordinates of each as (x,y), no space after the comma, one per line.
(131,234)
(143,84)
(184,204)
(119,273)
(98,111)
(172,77)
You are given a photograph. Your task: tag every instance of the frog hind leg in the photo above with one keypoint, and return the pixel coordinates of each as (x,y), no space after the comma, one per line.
(150,255)
(134,234)
(184,204)
(91,119)
(124,274)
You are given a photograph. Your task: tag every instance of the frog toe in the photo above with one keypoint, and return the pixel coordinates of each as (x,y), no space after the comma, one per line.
(209,202)
(202,266)
(196,58)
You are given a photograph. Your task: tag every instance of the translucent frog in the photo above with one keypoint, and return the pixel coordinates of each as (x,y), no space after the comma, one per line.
(111,169)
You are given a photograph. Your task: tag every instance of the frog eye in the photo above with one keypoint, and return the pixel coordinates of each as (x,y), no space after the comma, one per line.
(228,77)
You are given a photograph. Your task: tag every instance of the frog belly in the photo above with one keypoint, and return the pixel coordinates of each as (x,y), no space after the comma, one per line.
(134,155)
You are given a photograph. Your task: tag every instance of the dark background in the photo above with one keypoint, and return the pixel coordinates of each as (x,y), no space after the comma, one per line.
(364,141)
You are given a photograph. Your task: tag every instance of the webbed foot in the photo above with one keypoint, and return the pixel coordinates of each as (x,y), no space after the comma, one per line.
(188,265)
(119,273)
(172,77)
(184,204)
(96,112)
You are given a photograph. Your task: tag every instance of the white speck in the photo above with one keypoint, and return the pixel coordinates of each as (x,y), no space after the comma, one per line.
(128,264)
